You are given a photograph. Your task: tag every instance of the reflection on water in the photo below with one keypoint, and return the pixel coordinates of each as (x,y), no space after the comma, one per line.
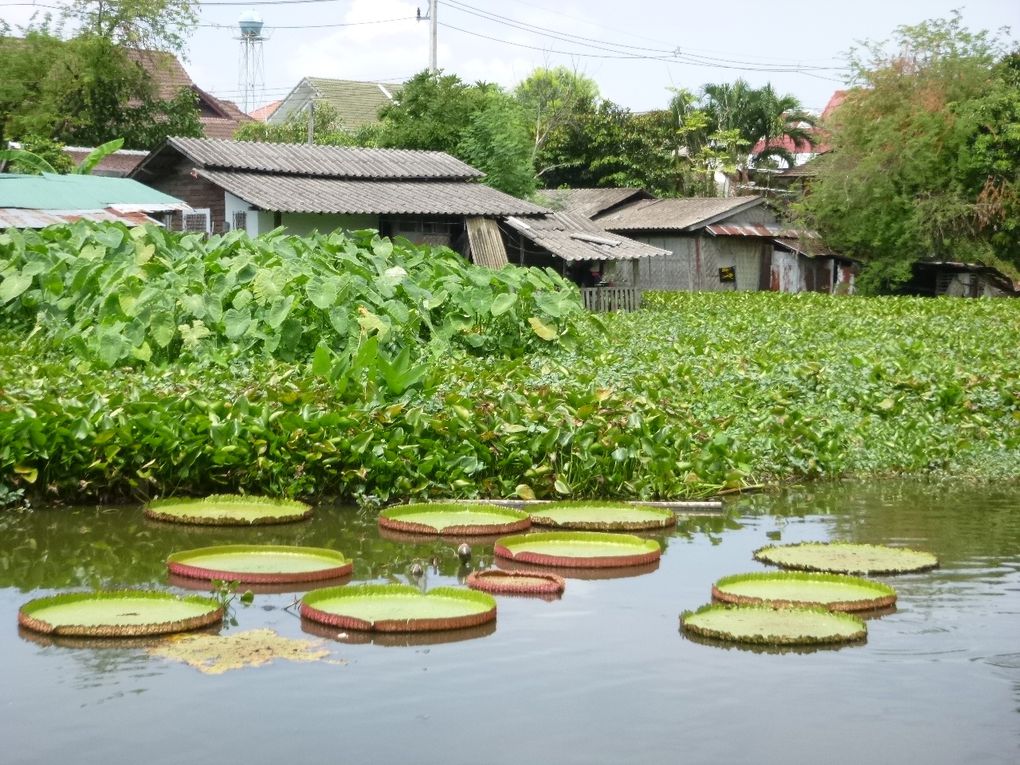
(397,639)
(600,675)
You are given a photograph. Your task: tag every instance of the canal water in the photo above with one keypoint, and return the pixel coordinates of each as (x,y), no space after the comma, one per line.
(601,675)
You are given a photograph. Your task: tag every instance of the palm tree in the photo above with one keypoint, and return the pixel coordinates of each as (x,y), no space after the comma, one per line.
(776,122)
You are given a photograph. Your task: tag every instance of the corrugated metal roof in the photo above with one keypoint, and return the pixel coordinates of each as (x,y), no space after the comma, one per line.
(324,161)
(80,192)
(357,103)
(487,248)
(760,229)
(22,218)
(590,202)
(287,193)
(674,214)
(574,237)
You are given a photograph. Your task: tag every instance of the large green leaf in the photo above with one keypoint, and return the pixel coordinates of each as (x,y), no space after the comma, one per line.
(503,303)
(12,286)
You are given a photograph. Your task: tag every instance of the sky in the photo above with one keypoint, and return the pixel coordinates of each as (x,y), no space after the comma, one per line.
(635,50)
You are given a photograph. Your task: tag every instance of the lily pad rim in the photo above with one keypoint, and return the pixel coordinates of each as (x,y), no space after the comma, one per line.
(514,520)
(159,509)
(213,614)
(480,580)
(661,518)
(886,597)
(176,564)
(644,550)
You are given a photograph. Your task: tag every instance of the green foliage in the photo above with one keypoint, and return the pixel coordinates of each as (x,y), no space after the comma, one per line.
(496,141)
(327,128)
(37,155)
(552,101)
(86,91)
(358,308)
(701,392)
(924,160)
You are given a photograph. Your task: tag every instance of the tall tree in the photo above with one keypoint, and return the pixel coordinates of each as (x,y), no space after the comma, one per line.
(553,100)
(924,161)
(139,24)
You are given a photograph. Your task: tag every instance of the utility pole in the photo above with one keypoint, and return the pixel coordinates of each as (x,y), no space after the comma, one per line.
(311,122)
(434,35)
(431,17)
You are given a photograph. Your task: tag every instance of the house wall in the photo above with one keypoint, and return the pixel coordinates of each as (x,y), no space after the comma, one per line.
(199,193)
(302,224)
(692,265)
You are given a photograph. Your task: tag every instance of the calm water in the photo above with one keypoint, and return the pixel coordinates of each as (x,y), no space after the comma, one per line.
(601,675)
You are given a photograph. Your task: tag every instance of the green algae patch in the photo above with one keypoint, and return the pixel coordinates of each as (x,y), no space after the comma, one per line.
(260,564)
(834,592)
(118,613)
(846,558)
(228,510)
(398,608)
(453,518)
(773,627)
(216,654)
(602,516)
(578,549)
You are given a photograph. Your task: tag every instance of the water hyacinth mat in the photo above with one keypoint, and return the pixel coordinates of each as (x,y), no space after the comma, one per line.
(453,518)
(846,558)
(227,510)
(602,516)
(260,564)
(398,608)
(578,549)
(784,589)
(118,613)
(773,627)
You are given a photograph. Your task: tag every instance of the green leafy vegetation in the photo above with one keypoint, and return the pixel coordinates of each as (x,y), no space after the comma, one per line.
(696,394)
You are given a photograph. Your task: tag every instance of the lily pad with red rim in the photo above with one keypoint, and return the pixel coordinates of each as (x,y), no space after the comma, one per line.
(602,516)
(228,510)
(453,518)
(578,549)
(773,626)
(516,582)
(398,608)
(846,558)
(785,589)
(260,564)
(118,613)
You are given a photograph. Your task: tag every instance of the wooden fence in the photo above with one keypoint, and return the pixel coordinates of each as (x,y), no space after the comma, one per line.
(604,299)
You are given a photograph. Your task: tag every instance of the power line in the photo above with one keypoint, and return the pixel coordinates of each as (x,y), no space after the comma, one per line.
(311,26)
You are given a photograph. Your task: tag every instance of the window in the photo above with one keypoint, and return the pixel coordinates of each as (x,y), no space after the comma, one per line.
(239,221)
(197,220)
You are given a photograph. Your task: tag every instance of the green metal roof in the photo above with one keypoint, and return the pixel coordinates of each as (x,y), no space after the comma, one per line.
(357,103)
(78,192)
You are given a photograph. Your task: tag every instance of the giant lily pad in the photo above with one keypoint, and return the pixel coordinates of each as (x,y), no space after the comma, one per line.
(228,510)
(398,608)
(798,589)
(260,564)
(453,518)
(846,558)
(602,516)
(579,549)
(516,582)
(772,626)
(118,613)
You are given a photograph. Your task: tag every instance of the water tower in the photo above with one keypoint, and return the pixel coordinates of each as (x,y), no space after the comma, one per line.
(252,80)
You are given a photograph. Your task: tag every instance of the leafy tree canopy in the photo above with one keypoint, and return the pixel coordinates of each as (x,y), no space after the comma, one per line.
(554,100)
(327,128)
(925,155)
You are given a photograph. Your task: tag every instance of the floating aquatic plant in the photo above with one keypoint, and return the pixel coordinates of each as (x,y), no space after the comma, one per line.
(260,564)
(579,549)
(771,626)
(602,516)
(216,654)
(453,518)
(846,558)
(516,582)
(398,608)
(228,510)
(834,592)
(118,613)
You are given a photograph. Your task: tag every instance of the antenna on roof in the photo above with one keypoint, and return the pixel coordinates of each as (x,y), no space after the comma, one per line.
(252,77)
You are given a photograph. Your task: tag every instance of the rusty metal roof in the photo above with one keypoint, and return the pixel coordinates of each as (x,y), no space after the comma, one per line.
(685,214)
(17,217)
(321,161)
(590,202)
(296,194)
(574,237)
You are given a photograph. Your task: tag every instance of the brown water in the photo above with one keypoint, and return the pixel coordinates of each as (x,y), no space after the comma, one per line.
(602,675)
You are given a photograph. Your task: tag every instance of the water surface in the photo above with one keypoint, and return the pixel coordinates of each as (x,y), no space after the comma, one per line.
(602,674)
